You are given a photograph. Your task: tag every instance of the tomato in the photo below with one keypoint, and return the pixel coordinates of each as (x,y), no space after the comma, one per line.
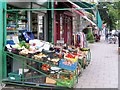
(70,56)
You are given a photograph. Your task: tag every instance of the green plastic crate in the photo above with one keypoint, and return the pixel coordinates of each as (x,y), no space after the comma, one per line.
(14,76)
(66,83)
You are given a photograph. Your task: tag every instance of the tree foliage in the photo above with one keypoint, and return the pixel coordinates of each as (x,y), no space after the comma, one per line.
(110,14)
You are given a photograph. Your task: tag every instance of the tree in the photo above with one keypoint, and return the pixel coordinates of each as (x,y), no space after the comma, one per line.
(113,16)
(110,13)
(117,4)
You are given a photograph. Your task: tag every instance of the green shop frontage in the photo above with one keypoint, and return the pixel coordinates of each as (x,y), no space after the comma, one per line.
(40,45)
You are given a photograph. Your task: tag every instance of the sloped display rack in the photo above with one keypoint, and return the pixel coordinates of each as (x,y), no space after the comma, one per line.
(46,68)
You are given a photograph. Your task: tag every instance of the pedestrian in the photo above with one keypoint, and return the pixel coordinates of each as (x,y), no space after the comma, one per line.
(106,37)
(110,40)
(119,39)
(119,43)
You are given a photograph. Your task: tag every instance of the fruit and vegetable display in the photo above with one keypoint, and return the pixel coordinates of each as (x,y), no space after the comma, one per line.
(84,49)
(45,55)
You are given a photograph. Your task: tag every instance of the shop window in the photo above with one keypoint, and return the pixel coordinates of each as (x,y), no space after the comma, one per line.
(37,25)
(61,28)
(40,28)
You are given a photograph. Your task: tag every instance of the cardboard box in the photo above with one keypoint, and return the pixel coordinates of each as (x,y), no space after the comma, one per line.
(50,81)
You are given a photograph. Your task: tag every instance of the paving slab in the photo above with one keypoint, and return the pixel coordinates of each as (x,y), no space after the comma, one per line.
(103,69)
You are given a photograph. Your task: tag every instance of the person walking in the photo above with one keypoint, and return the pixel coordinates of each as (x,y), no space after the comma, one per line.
(106,34)
(119,43)
(106,37)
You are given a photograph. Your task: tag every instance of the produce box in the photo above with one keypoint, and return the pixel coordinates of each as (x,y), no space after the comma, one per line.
(48,52)
(50,81)
(40,79)
(66,76)
(11,42)
(29,80)
(66,83)
(81,62)
(85,49)
(71,57)
(67,65)
(14,76)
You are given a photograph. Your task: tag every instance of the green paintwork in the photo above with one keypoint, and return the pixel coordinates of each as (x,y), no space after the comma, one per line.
(48,4)
(2,68)
(52,7)
(38,9)
(85,6)
(35,86)
(4,40)
(1,39)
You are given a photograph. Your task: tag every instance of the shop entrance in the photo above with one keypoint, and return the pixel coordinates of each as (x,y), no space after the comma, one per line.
(64,28)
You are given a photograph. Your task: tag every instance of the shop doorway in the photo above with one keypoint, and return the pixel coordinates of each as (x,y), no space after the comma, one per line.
(64,29)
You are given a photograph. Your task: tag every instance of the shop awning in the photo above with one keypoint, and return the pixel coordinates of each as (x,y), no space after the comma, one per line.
(99,21)
(80,12)
(86,6)
(89,4)
(84,16)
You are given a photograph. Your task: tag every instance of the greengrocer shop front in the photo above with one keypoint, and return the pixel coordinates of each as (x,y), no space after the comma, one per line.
(38,47)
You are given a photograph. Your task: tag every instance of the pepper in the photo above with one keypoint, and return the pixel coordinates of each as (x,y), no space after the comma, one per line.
(45,67)
(70,55)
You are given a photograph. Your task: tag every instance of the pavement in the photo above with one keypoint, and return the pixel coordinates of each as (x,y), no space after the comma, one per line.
(103,69)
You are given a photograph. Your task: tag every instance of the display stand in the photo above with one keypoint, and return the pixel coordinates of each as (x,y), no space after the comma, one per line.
(19,77)
(33,71)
